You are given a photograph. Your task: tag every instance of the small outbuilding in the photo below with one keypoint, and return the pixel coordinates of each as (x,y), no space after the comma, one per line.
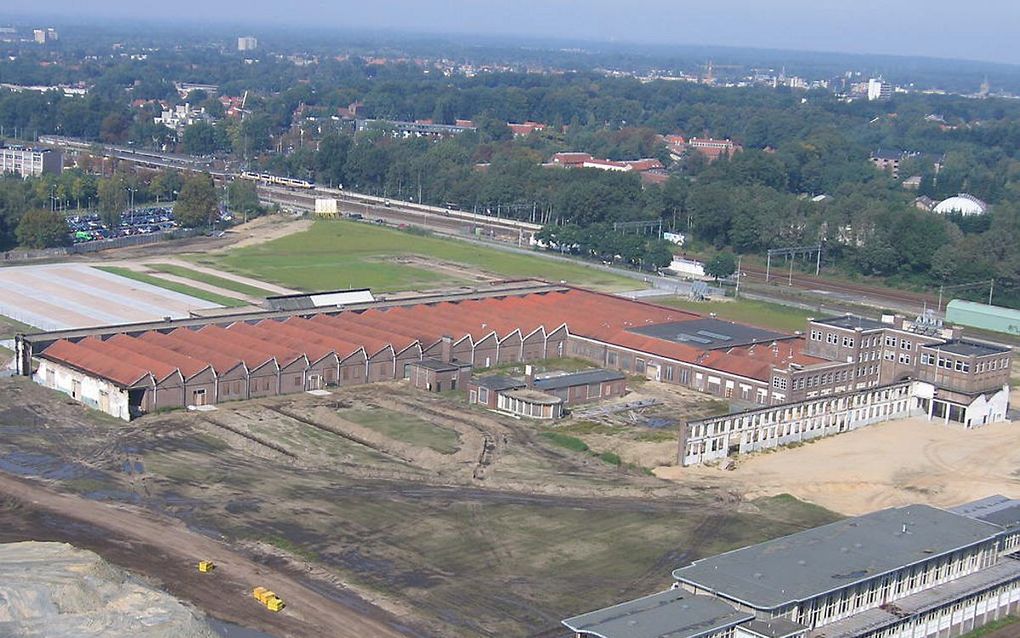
(485,390)
(433,375)
(580,387)
(530,403)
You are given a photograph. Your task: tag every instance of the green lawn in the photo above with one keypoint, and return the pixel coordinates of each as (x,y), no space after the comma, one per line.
(345,254)
(184,289)
(992,627)
(406,428)
(758,313)
(213,280)
(10,327)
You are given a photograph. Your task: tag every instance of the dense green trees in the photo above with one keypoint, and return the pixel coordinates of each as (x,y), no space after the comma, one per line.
(197,205)
(42,229)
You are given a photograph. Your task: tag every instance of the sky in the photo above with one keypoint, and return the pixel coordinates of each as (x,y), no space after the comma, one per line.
(971,29)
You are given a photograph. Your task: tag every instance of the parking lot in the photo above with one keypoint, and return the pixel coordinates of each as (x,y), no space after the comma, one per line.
(61,296)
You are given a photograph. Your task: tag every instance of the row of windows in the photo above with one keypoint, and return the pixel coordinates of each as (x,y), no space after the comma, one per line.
(840,376)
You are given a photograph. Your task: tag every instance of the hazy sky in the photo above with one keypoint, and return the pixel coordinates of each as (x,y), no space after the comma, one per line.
(969,29)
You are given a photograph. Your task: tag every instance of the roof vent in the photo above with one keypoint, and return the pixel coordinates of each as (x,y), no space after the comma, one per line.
(802,562)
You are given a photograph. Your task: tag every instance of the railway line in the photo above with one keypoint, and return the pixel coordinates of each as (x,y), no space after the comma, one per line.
(862,292)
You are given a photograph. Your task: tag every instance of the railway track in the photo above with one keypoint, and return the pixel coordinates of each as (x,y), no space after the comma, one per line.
(809,282)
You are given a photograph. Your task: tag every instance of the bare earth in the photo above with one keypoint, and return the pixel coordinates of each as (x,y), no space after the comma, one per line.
(308,613)
(895,463)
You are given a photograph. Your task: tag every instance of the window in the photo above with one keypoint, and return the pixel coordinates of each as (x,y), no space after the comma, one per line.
(904,358)
(890,341)
(816,335)
(669,373)
(927,359)
(611,358)
(848,342)
(890,355)
(297,382)
(779,383)
(483,395)
(906,345)
(831,338)
(639,365)
(685,375)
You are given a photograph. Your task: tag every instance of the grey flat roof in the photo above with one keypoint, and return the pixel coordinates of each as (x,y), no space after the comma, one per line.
(1005,571)
(709,333)
(587,377)
(968,348)
(670,614)
(997,509)
(774,628)
(807,564)
(499,382)
(437,365)
(850,322)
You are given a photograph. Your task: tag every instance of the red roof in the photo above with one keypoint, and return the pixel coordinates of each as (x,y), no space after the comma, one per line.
(602,317)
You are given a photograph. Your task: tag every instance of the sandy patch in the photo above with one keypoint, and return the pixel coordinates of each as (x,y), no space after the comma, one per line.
(895,463)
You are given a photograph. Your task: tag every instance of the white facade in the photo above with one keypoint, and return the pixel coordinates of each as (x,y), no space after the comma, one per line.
(879,89)
(30,162)
(687,267)
(247,43)
(90,390)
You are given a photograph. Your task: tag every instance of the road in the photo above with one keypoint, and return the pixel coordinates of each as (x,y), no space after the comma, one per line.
(504,232)
(154,540)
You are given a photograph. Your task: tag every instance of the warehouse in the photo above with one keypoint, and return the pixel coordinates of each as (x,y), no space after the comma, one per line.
(190,362)
(904,572)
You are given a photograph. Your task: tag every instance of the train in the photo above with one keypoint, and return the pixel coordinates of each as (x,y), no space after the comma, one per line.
(266,178)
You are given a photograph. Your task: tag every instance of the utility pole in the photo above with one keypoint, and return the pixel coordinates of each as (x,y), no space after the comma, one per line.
(991,289)
(791,271)
(736,291)
(768,266)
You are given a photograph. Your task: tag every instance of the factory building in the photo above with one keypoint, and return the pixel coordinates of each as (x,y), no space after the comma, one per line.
(904,572)
(172,364)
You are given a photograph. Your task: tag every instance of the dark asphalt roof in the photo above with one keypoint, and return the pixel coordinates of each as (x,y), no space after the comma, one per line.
(773,628)
(588,377)
(436,364)
(710,334)
(674,614)
(808,564)
(499,382)
(997,509)
(852,321)
(968,348)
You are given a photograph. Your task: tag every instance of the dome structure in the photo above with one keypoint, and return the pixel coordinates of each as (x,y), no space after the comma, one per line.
(962,204)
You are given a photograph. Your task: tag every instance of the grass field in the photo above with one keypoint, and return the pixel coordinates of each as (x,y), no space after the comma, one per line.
(213,280)
(992,627)
(406,428)
(10,327)
(344,254)
(758,313)
(184,289)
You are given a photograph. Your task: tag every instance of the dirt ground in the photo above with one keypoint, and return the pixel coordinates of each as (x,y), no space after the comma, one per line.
(895,463)
(444,520)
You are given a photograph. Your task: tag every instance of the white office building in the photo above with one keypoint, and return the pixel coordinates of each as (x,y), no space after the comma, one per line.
(247,43)
(29,162)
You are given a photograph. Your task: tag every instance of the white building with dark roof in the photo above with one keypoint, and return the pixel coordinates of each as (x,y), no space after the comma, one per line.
(904,572)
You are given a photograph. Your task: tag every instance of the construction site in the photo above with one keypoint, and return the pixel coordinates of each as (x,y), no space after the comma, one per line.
(382,467)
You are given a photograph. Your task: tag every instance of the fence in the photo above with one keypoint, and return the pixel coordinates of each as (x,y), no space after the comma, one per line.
(13,256)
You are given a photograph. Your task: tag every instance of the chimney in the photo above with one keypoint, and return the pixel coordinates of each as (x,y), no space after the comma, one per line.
(529,376)
(445,348)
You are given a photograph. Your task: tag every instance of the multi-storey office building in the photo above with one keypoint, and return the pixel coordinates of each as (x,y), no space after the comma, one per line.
(913,571)
(29,162)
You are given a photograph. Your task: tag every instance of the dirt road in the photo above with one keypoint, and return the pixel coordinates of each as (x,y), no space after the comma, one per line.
(168,551)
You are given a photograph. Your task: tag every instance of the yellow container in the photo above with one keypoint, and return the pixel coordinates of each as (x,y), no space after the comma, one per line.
(206,566)
(275,604)
(259,593)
